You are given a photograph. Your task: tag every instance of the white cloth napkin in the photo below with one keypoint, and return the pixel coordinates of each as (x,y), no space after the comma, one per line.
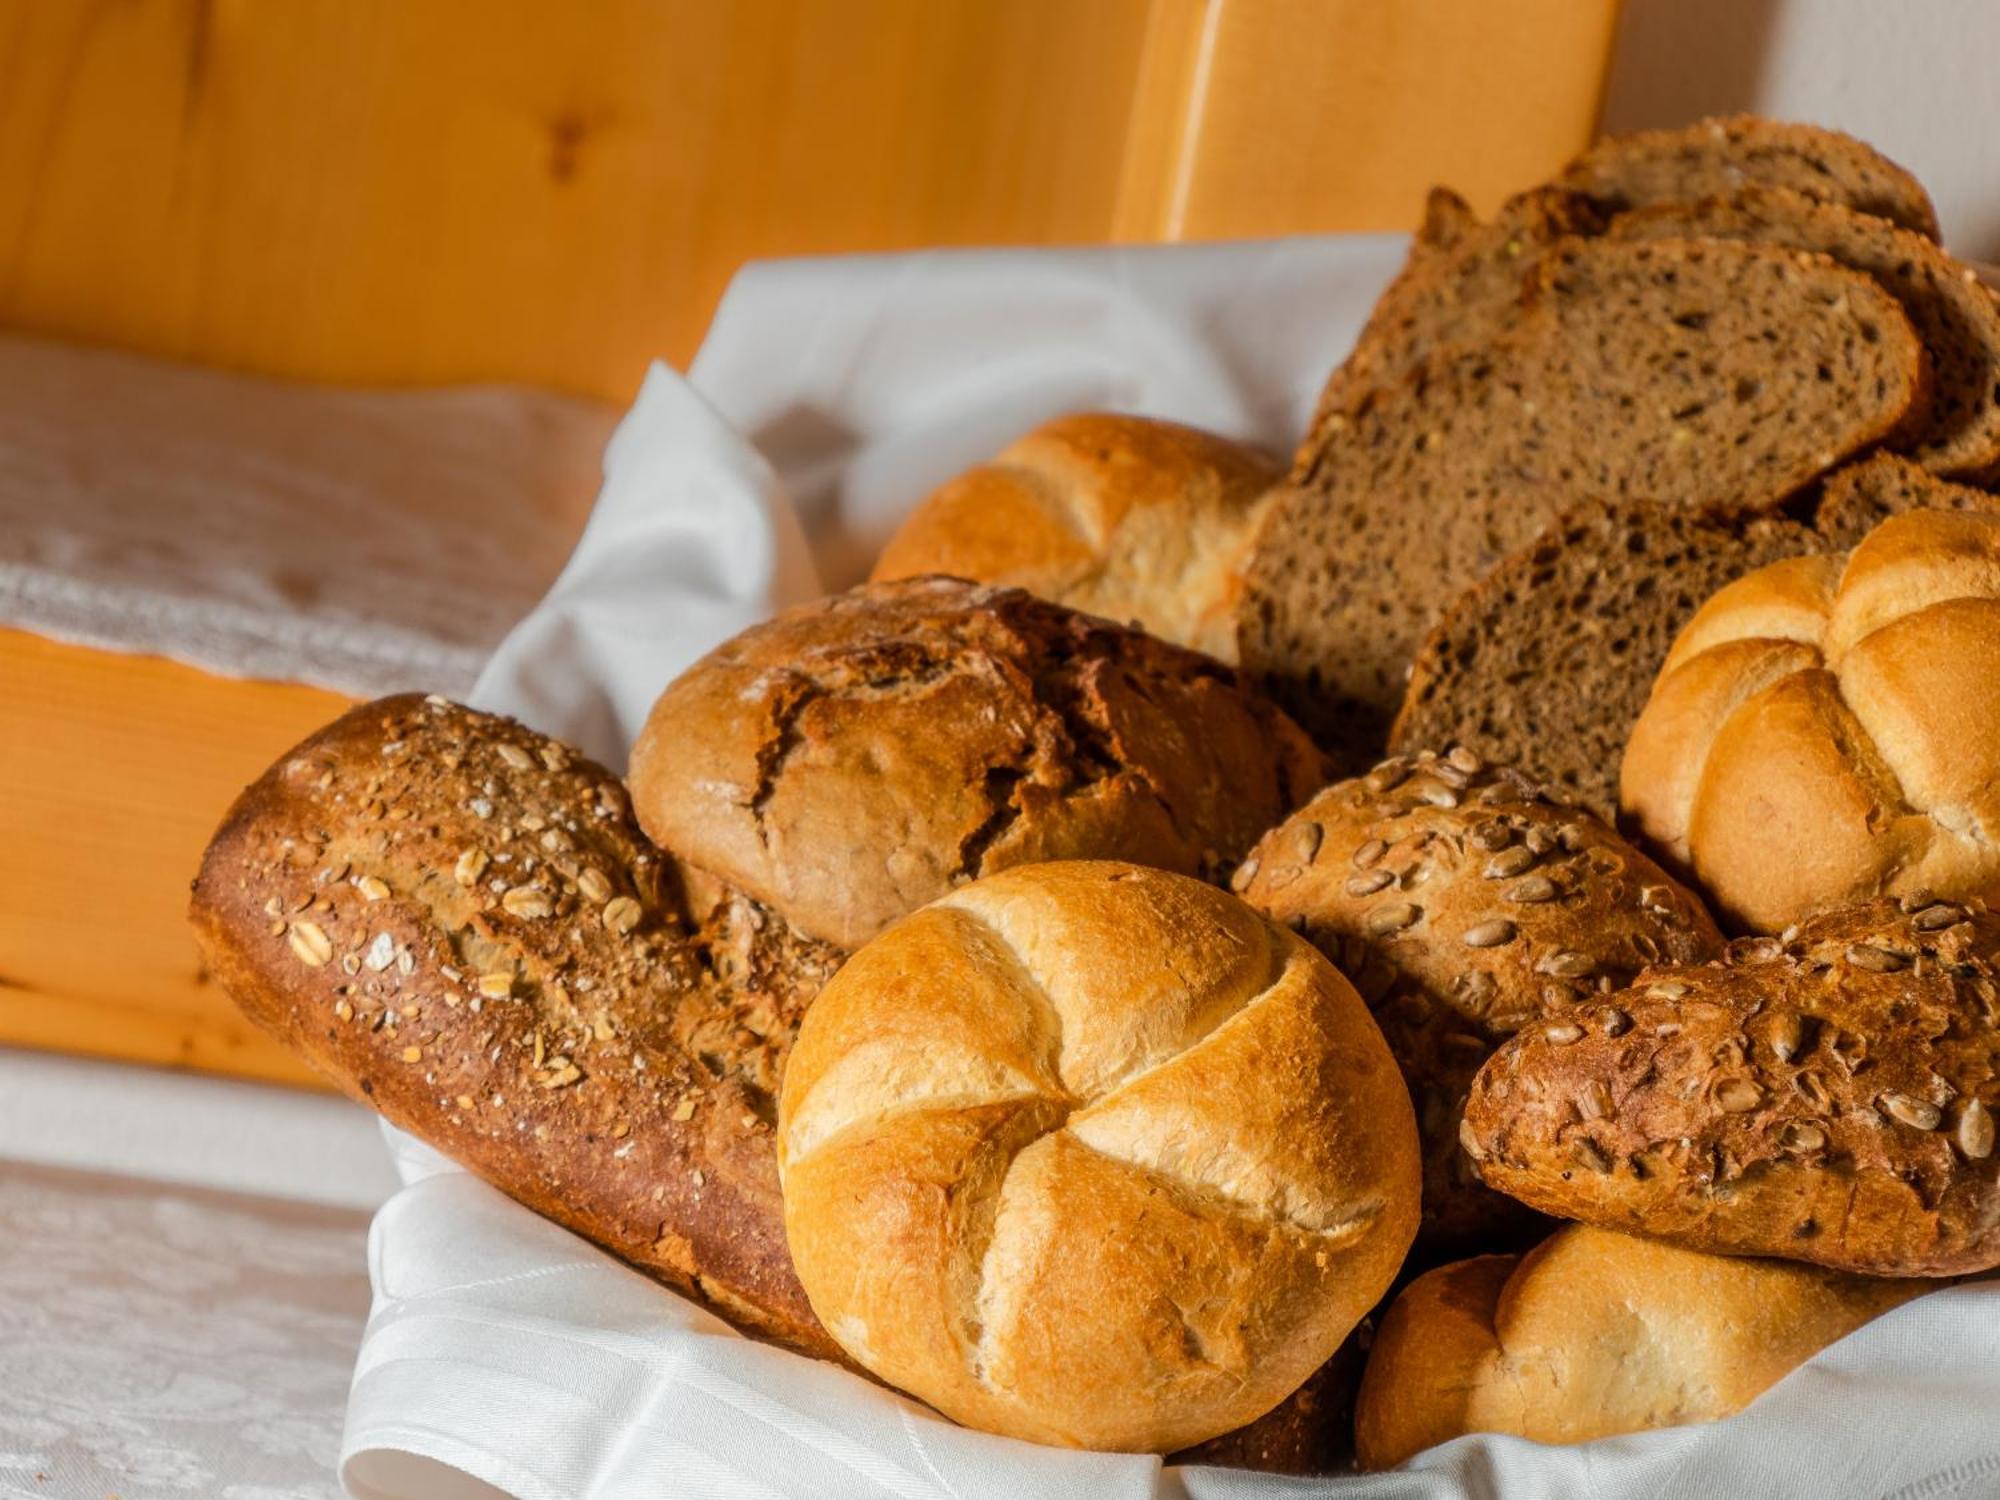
(504,1356)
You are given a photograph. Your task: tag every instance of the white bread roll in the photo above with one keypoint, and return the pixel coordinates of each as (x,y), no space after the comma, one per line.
(1137,520)
(1827,729)
(1094,1155)
(1591,1334)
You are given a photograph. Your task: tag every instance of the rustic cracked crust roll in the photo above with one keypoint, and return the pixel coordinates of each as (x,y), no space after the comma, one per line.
(1094,1155)
(1464,904)
(1592,1334)
(458,922)
(1127,517)
(1827,728)
(853,759)
(1826,1097)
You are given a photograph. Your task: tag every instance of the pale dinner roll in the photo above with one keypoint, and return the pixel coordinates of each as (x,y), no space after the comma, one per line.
(1127,517)
(1591,1334)
(1827,729)
(1094,1155)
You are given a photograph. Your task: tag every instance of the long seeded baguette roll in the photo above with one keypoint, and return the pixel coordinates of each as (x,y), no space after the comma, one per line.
(1957,426)
(1826,1097)
(1547,661)
(1592,1334)
(855,758)
(1720,155)
(1464,904)
(458,922)
(1684,372)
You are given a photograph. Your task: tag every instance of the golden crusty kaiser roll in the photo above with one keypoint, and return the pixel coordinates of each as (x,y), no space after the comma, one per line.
(1827,729)
(1128,517)
(1094,1155)
(855,758)
(1464,903)
(1826,1097)
(1592,1334)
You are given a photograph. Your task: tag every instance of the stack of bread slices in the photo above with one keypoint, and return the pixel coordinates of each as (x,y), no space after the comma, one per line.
(1526,872)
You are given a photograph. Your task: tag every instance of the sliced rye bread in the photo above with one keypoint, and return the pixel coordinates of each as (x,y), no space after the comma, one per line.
(1714,157)
(1461,282)
(1686,371)
(1545,663)
(1958,429)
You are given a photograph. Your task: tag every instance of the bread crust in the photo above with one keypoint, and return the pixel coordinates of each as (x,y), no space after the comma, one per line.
(1592,1334)
(1094,1155)
(1826,1097)
(853,759)
(1132,518)
(1463,903)
(457,921)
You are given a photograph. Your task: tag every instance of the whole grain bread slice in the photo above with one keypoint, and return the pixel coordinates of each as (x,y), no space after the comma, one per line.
(1957,429)
(1460,283)
(1688,372)
(1546,662)
(1719,156)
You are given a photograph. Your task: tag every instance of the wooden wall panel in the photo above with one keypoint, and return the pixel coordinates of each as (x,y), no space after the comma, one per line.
(442,190)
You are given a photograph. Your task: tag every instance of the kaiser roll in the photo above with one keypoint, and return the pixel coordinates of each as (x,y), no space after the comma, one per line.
(1094,1155)
(1828,728)
(1591,1334)
(1126,517)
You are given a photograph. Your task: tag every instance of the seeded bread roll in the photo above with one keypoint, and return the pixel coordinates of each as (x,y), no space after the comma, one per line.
(1827,1097)
(853,759)
(1592,1334)
(1683,372)
(1718,156)
(1093,1155)
(1127,517)
(1827,729)
(1957,426)
(1464,904)
(1461,283)
(458,922)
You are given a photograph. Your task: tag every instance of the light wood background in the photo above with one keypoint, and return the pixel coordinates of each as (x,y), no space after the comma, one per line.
(556,192)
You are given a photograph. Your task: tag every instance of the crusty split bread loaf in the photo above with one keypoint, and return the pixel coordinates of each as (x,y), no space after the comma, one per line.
(1094,1155)
(1679,371)
(1135,519)
(1828,1096)
(1956,427)
(458,922)
(1464,905)
(1547,661)
(853,759)
(1828,728)
(1718,156)
(1592,1334)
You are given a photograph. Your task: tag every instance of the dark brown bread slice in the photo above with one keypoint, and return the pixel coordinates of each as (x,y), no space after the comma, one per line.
(1957,430)
(1461,283)
(1546,662)
(1859,496)
(1719,156)
(1828,1096)
(1684,371)
(458,922)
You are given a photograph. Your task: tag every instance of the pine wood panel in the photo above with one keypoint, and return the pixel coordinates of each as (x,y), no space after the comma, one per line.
(438,190)
(114,771)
